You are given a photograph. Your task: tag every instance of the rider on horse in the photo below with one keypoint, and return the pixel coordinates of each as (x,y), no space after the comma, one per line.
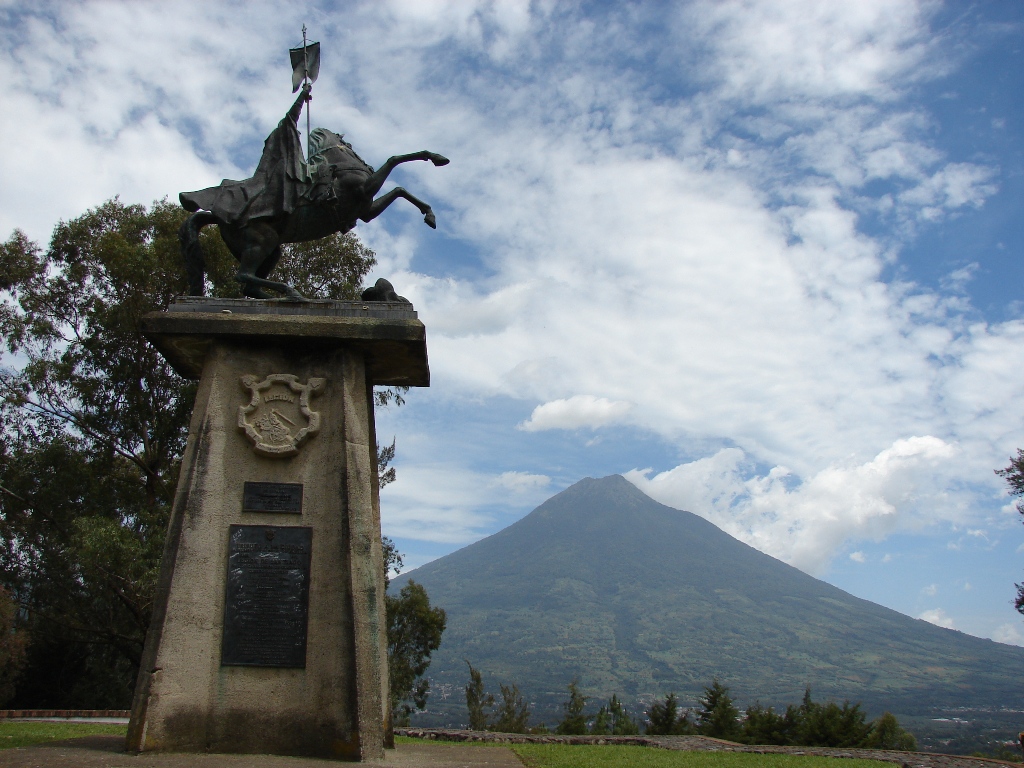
(280,182)
(288,200)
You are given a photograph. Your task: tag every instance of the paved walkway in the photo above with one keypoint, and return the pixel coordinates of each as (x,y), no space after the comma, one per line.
(108,752)
(704,744)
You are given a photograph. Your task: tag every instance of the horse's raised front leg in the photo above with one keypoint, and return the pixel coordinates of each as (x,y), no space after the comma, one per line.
(376,180)
(377,206)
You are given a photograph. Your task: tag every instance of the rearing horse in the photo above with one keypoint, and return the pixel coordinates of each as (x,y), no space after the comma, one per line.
(290,201)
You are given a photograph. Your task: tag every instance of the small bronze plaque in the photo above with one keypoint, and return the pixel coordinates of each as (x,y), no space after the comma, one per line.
(272,497)
(267,597)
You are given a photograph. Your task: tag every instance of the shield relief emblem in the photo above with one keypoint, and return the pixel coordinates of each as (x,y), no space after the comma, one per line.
(277,419)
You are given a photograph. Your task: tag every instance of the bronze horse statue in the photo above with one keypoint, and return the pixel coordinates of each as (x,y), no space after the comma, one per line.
(288,200)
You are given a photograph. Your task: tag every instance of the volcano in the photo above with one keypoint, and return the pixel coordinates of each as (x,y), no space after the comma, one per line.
(603,584)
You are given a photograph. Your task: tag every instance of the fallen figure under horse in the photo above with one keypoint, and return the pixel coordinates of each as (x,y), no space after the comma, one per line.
(289,200)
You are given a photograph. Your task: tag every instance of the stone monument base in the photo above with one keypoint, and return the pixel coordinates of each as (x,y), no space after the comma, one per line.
(268,632)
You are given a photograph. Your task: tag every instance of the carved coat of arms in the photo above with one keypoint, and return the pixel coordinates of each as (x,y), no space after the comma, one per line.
(277,418)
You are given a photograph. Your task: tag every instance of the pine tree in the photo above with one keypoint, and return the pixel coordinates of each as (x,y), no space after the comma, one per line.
(664,718)
(829,725)
(717,716)
(763,725)
(513,714)
(575,722)
(619,720)
(602,723)
(477,701)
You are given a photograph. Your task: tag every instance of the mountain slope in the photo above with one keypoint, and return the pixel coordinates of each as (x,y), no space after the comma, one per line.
(602,583)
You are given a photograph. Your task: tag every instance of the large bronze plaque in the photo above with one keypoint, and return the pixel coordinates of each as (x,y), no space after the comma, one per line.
(267,599)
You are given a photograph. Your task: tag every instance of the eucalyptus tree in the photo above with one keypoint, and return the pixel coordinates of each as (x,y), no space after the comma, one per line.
(1014,476)
(94,423)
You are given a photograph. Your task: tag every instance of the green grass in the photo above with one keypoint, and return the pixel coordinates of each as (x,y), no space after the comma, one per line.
(623,756)
(620,756)
(19,734)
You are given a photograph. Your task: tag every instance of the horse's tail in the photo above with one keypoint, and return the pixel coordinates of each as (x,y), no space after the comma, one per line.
(195,264)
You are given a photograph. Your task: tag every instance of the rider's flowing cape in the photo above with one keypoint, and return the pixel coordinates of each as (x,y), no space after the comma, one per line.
(280,181)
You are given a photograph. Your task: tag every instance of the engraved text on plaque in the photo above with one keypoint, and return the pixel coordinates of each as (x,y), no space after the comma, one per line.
(267,597)
(272,497)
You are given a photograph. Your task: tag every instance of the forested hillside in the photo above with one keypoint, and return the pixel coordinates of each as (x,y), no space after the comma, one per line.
(637,599)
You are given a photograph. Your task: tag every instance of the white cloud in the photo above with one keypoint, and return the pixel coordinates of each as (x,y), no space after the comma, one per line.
(676,245)
(930,590)
(938,617)
(960,277)
(522,481)
(954,186)
(770,51)
(858,557)
(806,523)
(1009,633)
(577,412)
(437,503)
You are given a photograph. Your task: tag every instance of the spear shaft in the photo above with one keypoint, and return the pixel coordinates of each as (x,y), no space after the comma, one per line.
(305,64)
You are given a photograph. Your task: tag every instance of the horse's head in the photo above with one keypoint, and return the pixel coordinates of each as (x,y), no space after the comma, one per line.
(328,149)
(322,139)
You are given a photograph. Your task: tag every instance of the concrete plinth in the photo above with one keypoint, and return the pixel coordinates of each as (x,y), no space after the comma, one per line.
(274,535)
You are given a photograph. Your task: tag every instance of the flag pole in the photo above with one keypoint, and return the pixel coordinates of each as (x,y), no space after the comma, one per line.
(305,78)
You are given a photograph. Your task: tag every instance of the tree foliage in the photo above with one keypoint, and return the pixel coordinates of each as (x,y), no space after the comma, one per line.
(613,720)
(665,719)
(809,724)
(812,724)
(414,632)
(393,560)
(575,720)
(13,640)
(94,422)
(831,725)
(886,733)
(478,701)
(1014,476)
(763,725)
(513,715)
(717,716)
(330,268)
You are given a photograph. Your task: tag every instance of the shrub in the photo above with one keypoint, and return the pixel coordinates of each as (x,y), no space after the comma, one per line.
(886,733)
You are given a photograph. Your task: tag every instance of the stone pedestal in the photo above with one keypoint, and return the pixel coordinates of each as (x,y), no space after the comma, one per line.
(268,632)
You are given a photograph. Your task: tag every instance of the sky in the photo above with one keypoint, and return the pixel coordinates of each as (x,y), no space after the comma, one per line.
(762,257)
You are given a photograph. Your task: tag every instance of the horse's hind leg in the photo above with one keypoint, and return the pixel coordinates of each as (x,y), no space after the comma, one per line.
(259,251)
(377,207)
(269,263)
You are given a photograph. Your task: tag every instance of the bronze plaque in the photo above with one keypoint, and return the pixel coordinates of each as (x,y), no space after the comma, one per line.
(267,597)
(272,497)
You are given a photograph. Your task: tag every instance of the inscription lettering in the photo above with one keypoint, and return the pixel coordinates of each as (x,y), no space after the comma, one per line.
(279,396)
(272,497)
(267,596)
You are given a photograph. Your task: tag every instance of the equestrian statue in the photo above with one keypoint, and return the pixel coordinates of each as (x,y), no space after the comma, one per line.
(290,200)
